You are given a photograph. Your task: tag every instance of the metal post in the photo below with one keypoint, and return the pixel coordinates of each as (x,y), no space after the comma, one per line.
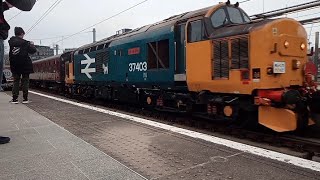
(316,54)
(57,49)
(94,34)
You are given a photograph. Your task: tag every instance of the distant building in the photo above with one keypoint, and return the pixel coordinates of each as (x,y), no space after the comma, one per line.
(69,49)
(42,52)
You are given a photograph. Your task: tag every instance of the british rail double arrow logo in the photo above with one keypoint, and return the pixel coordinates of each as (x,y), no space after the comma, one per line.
(87,70)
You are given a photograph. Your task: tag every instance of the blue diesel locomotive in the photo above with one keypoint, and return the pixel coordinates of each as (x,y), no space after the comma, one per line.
(213,62)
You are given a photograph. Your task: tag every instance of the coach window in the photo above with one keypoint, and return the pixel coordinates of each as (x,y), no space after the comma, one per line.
(158,54)
(195,30)
(219,18)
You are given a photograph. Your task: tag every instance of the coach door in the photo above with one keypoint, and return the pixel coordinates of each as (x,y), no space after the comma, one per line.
(180,54)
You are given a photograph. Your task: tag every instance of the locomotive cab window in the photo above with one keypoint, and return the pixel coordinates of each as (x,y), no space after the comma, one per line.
(237,16)
(195,31)
(219,18)
(229,15)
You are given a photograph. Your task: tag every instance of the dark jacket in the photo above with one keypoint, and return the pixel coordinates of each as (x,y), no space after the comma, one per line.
(20,62)
(23,5)
(4,26)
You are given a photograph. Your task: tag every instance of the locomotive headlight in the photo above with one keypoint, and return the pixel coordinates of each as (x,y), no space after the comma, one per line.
(296,64)
(303,46)
(286,44)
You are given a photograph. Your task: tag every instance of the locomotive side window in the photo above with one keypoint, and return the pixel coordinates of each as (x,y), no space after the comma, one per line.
(219,18)
(158,54)
(195,31)
(152,56)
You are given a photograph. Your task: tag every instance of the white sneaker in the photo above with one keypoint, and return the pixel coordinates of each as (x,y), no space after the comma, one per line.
(14,101)
(25,102)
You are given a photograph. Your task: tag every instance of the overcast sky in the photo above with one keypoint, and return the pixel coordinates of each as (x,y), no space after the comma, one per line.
(72,16)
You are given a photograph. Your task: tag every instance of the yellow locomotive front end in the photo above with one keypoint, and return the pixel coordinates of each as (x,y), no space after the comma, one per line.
(256,65)
(279,55)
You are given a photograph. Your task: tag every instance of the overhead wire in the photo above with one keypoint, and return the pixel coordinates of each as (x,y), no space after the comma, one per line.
(56,37)
(121,12)
(142,2)
(308,14)
(310,32)
(244,1)
(15,16)
(312,26)
(48,11)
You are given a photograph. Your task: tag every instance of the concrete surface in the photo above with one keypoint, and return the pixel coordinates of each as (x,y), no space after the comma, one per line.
(41,149)
(159,154)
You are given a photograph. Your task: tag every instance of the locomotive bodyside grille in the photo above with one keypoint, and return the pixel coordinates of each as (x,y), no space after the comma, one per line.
(101,58)
(221,59)
(240,53)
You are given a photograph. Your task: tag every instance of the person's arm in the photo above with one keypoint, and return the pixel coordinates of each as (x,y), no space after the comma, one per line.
(31,48)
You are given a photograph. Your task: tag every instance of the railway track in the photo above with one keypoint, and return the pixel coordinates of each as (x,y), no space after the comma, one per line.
(305,145)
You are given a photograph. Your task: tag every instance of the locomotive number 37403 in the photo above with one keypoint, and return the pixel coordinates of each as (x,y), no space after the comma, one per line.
(139,66)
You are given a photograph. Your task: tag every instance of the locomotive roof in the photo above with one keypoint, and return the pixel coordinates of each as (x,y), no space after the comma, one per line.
(165,25)
(48,58)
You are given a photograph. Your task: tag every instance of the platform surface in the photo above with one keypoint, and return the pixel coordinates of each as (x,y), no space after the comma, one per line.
(39,145)
(41,149)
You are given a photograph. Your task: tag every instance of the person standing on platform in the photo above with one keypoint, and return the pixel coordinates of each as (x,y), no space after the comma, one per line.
(24,5)
(4,28)
(20,64)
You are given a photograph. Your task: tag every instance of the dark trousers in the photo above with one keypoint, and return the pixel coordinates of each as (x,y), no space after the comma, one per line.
(16,85)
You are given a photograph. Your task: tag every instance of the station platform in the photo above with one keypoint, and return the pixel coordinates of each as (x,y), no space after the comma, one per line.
(55,138)
(41,149)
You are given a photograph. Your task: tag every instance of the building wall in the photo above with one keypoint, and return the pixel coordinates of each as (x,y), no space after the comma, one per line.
(42,52)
